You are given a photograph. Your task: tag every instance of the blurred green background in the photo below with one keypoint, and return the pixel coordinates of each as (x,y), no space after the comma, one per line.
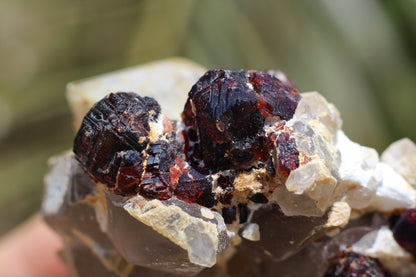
(361,55)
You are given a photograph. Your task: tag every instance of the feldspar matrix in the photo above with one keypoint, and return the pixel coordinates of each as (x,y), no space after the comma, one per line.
(252,178)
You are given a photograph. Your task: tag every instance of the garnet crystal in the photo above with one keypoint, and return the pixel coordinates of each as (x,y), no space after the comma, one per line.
(351,264)
(403,227)
(227,110)
(112,137)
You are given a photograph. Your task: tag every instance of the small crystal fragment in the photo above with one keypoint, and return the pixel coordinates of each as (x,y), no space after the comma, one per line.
(251,232)
(350,264)
(288,152)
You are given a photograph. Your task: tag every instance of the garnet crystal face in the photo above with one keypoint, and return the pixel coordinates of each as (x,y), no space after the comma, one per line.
(403,227)
(227,111)
(351,264)
(112,137)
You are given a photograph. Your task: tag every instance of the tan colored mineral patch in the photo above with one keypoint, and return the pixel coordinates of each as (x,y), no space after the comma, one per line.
(339,215)
(250,181)
(205,212)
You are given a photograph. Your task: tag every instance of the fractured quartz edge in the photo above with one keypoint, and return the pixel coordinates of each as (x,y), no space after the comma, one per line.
(198,237)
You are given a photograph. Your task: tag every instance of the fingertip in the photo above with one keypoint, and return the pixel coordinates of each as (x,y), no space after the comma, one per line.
(31,250)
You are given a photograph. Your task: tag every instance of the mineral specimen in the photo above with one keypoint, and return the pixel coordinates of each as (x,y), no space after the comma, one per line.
(257,180)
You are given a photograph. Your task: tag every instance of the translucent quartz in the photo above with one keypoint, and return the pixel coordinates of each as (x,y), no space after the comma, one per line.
(309,189)
(401,156)
(281,236)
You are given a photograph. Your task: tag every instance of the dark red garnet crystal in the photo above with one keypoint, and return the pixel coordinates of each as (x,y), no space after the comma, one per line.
(156,180)
(288,152)
(226,111)
(403,227)
(112,137)
(352,264)
(224,119)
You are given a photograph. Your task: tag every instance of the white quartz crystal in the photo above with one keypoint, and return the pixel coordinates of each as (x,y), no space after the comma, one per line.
(367,183)
(359,178)
(251,232)
(401,156)
(59,174)
(309,189)
(393,192)
(314,180)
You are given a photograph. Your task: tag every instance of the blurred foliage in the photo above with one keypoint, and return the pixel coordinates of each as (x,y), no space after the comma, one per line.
(359,54)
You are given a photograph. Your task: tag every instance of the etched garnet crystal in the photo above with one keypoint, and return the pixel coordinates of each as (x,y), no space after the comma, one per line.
(112,138)
(226,112)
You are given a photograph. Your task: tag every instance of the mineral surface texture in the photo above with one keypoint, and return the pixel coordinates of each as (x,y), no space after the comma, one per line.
(251,178)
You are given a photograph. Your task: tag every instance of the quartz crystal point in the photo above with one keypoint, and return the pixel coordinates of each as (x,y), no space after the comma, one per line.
(257,180)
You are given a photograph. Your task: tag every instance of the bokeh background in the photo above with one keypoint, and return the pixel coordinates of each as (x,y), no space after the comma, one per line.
(361,55)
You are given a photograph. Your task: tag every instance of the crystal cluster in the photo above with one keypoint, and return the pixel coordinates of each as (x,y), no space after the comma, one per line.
(255,179)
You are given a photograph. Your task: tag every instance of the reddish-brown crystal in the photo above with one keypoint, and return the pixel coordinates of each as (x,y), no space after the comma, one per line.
(156,181)
(275,98)
(351,264)
(193,187)
(225,182)
(128,179)
(155,186)
(403,227)
(288,152)
(227,110)
(112,136)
